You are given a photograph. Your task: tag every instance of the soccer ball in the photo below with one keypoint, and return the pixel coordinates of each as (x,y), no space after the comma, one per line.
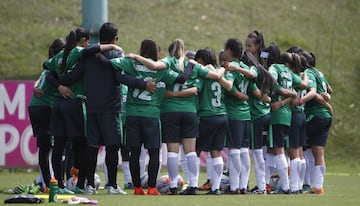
(163,184)
(71,183)
(225,183)
(97,181)
(144,180)
(181,183)
(274,182)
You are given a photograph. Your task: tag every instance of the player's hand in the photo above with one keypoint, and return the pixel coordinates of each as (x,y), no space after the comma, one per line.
(38,92)
(150,85)
(65,91)
(116,47)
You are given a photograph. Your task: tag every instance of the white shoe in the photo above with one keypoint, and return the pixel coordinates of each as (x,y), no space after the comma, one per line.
(114,191)
(90,190)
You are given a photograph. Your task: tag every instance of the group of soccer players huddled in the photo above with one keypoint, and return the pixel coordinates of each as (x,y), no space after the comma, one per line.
(251,99)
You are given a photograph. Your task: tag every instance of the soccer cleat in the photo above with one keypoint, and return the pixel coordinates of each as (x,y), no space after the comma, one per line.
(34,189)
(129,185)
(254,189)
(243,191)
(115,191)
(65,191)
(281,191)
(259,192)
(214,192)
(232,192)
(317,191)
(153,191)
(306,188)
(78,190)
(90,190)
(185,186)
(139,191)
(268,188)
(189,191)
(21,189)
(206,186)
(173,191)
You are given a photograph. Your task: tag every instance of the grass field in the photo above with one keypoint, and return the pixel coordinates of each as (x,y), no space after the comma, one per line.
(340,189)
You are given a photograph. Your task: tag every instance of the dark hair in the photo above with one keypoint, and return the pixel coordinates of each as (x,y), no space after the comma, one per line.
(235,47)
(259,39)
(274,55)
(265,81)
(293,60)
(56,46)
(304,62)
(148,49)
(72,39)
(310,57)
(108,32)
(295,49)
(190,54)
(207,55)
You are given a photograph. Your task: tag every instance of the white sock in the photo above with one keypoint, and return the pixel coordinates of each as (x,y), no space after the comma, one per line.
(318,178)
(193,166)
(282,169)
(142,160)
(234,168)
(173,168)
(106,173)
(245,168)
(294,174)
(270,167)
(310,163)
(218,165)
(259,165)
(209,166)
(126,171)
(302,170)
(183,164)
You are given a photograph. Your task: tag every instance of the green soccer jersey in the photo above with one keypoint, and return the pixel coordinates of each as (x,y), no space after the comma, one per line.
(299,94)
(237,109)
(53,64)
(312,107)
(124,91)
(286,79)
(49,91)
(75,56)
(258,108)
(182,104)
(141,102)
(211,99)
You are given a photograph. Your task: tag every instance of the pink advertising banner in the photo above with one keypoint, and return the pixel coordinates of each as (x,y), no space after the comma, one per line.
(17,144)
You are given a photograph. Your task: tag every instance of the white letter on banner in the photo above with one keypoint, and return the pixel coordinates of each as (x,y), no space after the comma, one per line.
(18,101)
(7,147)
(29,158)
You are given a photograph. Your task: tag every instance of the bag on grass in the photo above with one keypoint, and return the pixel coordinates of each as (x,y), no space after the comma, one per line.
(27,198)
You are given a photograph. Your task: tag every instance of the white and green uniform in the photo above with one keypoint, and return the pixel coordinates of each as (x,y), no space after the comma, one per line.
(235,108)
(286,79)
(141,102)
(211,99)
(312,107)
(187,104)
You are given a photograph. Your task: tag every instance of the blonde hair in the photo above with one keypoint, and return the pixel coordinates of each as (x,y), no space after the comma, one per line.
(177,50)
